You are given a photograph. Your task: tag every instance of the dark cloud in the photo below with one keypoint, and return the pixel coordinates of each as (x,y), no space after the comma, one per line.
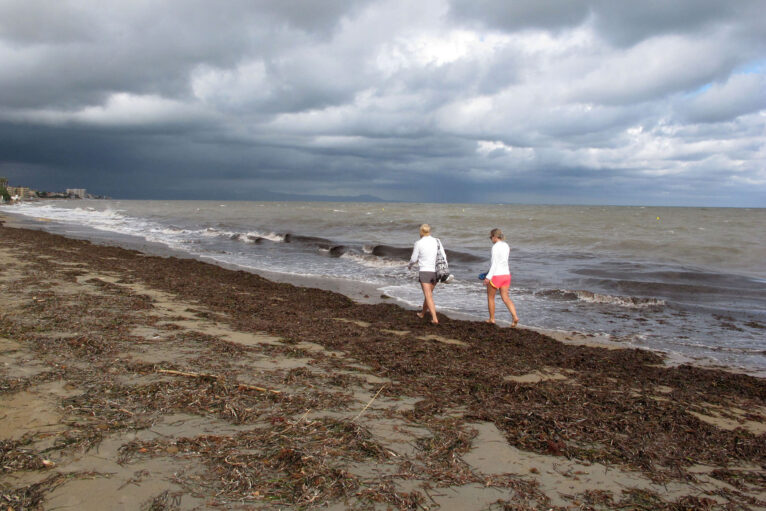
(74,53)
(626,23)
(558,101)
(722,102)
(620,23)
(525,14)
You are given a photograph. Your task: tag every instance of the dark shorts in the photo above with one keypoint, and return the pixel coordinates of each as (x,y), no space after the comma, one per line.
(427,277)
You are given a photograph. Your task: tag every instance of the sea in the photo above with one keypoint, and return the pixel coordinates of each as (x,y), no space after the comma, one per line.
(688,282)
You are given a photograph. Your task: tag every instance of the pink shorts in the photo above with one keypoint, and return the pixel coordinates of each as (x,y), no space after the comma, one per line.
(499,281)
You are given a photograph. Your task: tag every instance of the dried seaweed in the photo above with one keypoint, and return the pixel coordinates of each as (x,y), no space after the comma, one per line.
(165,501)
(300,463)
(13,456)
(30,497)
(606,410)
(741,478)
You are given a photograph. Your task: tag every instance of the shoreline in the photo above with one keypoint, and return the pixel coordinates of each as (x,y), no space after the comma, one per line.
(361,292)
(365,293)
(145,380)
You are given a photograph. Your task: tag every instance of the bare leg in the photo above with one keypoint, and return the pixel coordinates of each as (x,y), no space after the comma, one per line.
(424,309)
(491,303)
(426,306)
(428,303)
(509,303)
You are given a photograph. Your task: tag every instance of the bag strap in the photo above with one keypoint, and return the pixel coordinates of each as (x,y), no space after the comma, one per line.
(439,250)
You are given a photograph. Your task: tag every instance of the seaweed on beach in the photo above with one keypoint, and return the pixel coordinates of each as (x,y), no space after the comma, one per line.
(621,408)
(299,463)
(14,456)
(165,501)
(740,478)
(441,452)
(116,406)
(644,500)
(9,385)
(650,435)
(31,497)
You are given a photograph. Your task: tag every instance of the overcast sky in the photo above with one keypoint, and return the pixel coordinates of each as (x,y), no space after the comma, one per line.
(559,101)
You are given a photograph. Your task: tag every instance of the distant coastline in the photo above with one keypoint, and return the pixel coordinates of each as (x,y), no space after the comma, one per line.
(13,194)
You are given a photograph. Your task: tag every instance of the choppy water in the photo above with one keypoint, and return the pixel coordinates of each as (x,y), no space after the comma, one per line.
(687,281)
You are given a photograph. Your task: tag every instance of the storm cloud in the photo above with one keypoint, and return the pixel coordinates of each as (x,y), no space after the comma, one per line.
(567,101)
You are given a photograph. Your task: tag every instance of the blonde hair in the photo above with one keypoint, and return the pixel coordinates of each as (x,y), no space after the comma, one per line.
(497,233)
(425,230)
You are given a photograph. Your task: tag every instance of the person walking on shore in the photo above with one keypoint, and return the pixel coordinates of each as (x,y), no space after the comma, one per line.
(424,255)
(499,276)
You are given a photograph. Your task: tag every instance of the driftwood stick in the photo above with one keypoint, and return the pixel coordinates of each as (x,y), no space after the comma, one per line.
(259,389)
(191,375)
(368,404)
(240,386)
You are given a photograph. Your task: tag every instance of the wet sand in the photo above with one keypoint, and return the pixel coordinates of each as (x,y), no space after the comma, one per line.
(135,381)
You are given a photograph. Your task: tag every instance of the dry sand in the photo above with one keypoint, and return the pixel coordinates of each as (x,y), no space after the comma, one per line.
(135,382)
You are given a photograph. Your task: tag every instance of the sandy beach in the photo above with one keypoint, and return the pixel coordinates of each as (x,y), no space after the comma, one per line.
(134,381)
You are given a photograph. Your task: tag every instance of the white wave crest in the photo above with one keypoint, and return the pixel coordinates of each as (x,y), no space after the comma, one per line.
(105,219)
(108,220)
(632,302)
(212,232)
(254,236)
(271,236)
(373,261)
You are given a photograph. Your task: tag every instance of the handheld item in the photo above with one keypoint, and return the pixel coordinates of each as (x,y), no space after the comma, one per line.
(442,270)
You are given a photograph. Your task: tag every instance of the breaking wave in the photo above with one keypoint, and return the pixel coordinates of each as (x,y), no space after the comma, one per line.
(373,261)
(633,302)
(256,237)
(334,251)
(406,252)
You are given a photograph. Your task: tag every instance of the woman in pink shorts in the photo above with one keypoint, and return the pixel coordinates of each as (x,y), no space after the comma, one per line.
(499,276)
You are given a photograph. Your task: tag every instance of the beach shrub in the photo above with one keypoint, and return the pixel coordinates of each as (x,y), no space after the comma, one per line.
(4,194)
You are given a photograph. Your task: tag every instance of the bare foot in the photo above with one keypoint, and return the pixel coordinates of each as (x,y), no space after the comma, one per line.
(515,322)
(434,322)
(421,315)
(490,321)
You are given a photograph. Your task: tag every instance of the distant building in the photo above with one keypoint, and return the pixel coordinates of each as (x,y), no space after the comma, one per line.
(78,193)
(23,192)
(53,195)
(3,182)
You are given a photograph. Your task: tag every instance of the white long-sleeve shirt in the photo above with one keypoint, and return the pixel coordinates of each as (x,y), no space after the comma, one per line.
(500,253)
(424,254)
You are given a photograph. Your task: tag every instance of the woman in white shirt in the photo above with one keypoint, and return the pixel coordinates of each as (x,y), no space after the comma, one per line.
(499,276)
(424,255)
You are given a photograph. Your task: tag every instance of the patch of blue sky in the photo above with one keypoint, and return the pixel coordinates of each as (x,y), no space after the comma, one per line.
(699,90)
(756,67)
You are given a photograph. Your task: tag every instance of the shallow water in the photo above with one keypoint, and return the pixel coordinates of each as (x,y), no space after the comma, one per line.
(687,281)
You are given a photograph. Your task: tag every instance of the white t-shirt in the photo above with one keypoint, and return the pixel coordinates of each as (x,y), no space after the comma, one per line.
(500,253)
(424,254)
